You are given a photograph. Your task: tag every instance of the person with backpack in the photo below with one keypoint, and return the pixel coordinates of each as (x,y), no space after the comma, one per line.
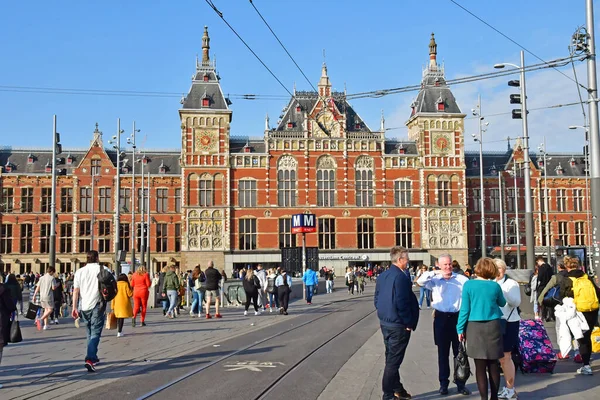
(510,335)
(544,275)
(121,304)
(581,287)
(272,290)
(197,281)
(350,280)
(170,290)
(58,301)
(94,285)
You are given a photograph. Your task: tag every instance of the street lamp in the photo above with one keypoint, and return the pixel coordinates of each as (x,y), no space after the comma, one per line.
(522,114)
(516,219)
(131,141)
(116,144)
(479,138)
(56,150)
(587,195)
(542,149)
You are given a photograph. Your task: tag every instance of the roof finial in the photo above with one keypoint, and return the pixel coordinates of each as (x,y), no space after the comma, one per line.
(382,127)
(205,47)
(294,88)
(508,148)
(432,52)
(267,123)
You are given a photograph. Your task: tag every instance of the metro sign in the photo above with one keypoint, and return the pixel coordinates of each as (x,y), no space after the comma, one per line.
(304,223)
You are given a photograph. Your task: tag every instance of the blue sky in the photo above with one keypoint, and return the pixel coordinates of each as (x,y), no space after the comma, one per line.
(152,45)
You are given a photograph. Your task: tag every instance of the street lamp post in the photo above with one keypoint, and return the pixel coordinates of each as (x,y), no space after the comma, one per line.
(529,227)
(516,221)
(142,217)
(479,138)
(148,263)
(542,148)
(116,142)
(502,238)
(56,150)
(131,141)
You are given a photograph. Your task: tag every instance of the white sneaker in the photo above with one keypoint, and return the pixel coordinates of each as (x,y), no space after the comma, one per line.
(245,312)
(510,393)
(119,334)
(502,393)
(585,370)
(46,327)
(56,321)
(256,313)
(270,309)
(0,386)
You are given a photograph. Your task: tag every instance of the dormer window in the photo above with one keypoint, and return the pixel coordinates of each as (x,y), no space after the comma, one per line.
(474,163)
(145,160)
(162,168)
(30,159)
(401,149)
(205,78)
(205,102)
(247,149)
(9,167)
(48,167)
(559,169)
(440,107)
(70,159)
(437,82)
(493,170)
(541,163)
(290,125)
(298,109)
(572,162)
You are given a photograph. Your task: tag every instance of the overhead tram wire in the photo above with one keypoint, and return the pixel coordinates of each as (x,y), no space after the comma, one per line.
(284,48)
(220,14)
(515,42)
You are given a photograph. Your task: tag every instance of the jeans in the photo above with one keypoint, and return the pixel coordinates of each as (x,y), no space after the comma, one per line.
(395,341)
(94,322)
(273,299)
(172,295)
(425,293)
(195,301)
(329,286)
(309,292)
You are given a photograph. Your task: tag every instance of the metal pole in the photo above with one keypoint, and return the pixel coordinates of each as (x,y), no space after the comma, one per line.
(593,134)
(52,259)
(117,208)
(517,228)
(588,242)
(529,227)
(133,233)
(149,263)
(502,240)
(142,217)
(92,222)
(547,204)
(303,264)
(482,197)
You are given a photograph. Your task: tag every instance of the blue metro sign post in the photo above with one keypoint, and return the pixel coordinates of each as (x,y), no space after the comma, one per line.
(304,223)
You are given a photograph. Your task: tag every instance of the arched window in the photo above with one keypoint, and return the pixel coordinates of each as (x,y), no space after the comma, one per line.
(286,181)
(364,181)
(205,191)
(326,181)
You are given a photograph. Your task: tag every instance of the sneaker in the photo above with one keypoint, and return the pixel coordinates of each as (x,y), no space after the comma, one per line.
(245,313)
(403,395)
(509,394)
(119,334)
(46,327)
(256,313)
(0,386)
(208,316)
(218,316)
(191,313)
(585,370)
(90,366)
(56,321)
(561,357)
(503,393)
(143,323)
(578,359)
(271,309)
(38,324)
(133,322)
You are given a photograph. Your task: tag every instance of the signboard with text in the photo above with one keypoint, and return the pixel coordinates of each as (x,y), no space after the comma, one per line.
(304,223)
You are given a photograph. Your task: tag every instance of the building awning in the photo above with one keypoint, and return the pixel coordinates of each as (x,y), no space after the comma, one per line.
(508,250)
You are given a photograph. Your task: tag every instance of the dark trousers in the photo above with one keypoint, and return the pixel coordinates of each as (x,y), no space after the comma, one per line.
(284,296)
(254,297)
(444,337)
(120,324)
(585,343)
(395,341)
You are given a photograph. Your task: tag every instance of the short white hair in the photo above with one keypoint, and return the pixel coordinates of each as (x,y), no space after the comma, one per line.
(445,255)
(500,264)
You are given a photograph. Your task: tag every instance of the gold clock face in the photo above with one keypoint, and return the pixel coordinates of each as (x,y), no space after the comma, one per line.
(205,141)
(328,124)
(441,144)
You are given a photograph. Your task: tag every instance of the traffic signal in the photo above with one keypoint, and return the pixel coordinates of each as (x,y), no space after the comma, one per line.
(57,144)
(515,99)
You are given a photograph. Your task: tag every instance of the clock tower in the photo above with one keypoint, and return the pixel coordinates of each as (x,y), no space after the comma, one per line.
(436,124)
(205,124)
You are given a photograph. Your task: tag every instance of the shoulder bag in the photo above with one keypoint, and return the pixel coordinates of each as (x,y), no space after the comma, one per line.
(15,331)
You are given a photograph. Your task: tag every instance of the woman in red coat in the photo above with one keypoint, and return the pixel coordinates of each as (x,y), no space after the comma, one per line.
(140,282)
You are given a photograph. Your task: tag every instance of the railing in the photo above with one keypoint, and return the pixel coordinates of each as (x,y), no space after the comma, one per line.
(286,134)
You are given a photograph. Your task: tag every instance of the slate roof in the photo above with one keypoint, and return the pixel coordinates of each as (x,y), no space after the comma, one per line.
(307,101)
(556,162)
(210,89)
(434,90)
(392,146)
(238,143)
(18,158)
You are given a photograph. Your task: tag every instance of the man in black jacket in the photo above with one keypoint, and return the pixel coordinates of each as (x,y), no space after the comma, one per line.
(544,275)
(398,312)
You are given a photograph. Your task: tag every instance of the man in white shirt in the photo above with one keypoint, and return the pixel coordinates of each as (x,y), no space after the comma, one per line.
(92,309)
(45,287)
(261,274)
(446,288)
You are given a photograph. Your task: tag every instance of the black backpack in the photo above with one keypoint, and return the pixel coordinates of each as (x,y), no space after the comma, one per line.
(107,284)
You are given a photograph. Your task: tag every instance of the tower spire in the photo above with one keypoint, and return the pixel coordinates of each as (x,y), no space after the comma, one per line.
(205,47)
(382,127)
(324,84)
(432,52)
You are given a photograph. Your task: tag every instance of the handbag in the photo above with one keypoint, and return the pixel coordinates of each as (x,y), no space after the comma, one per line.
(551,299)
(462,369)
(111,321)
(527,289)
(15,332)
(32,311)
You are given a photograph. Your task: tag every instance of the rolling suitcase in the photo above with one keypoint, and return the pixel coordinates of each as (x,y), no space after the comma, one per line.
(535,348)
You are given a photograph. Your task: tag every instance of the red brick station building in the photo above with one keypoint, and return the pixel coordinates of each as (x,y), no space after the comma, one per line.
(230,199)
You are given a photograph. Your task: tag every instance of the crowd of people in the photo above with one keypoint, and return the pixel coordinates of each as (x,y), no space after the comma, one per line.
(477,308)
